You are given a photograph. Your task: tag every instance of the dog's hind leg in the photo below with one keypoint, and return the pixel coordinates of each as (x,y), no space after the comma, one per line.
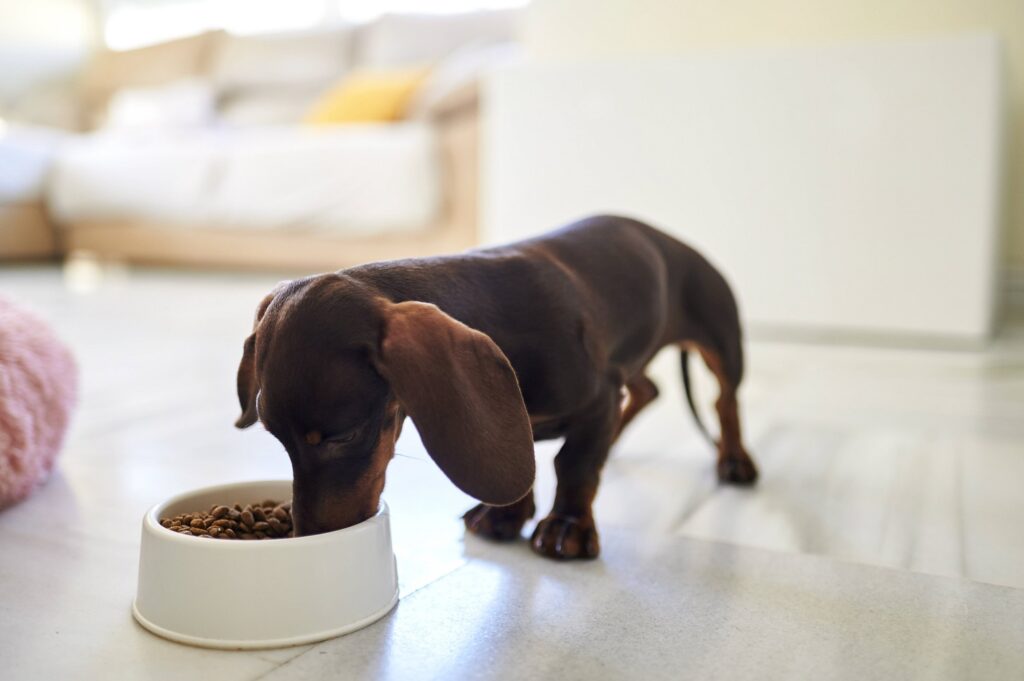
(711,326)
(734,463)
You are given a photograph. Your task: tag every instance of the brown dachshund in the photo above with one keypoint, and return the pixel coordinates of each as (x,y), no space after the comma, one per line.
(487,352)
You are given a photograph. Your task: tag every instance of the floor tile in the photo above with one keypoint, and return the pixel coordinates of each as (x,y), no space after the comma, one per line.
(66,614)
(679,608)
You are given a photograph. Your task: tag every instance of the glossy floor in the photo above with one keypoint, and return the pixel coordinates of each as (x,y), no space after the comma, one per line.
(889,505)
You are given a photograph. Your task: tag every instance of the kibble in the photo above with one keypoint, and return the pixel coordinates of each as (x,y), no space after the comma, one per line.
(265,520)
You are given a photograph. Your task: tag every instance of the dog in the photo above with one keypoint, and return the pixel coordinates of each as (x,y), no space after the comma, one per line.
(487,352)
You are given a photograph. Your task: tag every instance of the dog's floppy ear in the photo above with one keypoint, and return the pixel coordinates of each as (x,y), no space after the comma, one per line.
(247,384)
(462,394)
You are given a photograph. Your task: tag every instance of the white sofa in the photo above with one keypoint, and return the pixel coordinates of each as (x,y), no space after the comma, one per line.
(341,180)
(198,154)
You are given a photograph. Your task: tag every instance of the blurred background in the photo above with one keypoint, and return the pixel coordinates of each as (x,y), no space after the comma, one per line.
(855,168)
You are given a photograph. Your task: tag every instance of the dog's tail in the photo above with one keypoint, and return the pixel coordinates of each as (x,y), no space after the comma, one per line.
(685,361)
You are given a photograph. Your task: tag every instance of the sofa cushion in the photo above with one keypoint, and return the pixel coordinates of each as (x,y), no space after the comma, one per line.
(134,175)
(368,96)
(186,103)
(292,60)
(404,39)
(267,106)
(109,70)
(347,179)
(453,85)
(360,178)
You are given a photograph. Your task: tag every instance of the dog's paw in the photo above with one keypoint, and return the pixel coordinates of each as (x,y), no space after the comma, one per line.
(566,538)
(737,469)
(500,523)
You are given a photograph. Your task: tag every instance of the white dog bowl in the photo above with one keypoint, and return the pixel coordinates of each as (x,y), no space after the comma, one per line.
(220,593)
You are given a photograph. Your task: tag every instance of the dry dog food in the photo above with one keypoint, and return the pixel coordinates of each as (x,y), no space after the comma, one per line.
(265,520)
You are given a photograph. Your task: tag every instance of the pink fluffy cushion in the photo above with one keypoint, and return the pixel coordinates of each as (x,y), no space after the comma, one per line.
(38,385)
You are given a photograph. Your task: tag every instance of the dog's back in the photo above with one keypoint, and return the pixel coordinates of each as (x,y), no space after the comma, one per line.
(623,287)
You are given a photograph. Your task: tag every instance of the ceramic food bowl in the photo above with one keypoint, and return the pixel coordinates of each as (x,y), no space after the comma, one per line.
(219,593)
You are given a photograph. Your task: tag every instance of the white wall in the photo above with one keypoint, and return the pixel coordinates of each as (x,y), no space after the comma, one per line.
(581,29)
(850,189)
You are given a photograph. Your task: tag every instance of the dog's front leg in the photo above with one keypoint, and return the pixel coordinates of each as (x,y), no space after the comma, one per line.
(568,531)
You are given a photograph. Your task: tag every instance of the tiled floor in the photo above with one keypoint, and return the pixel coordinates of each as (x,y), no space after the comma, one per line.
(893,458)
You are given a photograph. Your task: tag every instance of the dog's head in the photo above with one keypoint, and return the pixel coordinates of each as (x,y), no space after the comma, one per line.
(332,369)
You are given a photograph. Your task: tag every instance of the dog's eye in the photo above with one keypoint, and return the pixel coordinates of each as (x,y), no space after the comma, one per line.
(343,438)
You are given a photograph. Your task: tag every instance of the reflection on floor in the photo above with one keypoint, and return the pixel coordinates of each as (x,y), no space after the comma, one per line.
(869,457)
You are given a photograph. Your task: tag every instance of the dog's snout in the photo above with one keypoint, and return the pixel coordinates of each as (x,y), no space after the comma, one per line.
(318,514)
(306,525)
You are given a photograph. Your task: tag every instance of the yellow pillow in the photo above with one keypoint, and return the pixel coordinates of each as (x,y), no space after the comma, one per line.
(367,97)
